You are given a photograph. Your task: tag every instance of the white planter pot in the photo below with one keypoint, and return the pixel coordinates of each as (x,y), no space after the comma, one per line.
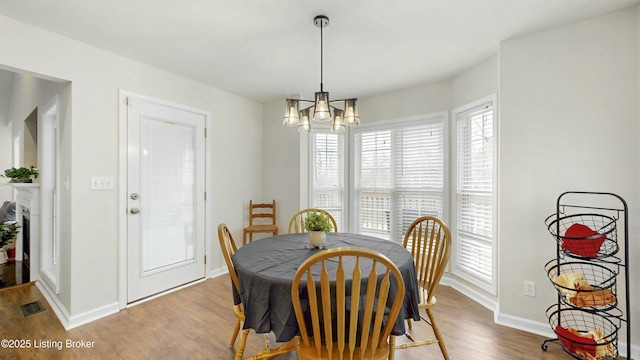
(317,238)
(3,256)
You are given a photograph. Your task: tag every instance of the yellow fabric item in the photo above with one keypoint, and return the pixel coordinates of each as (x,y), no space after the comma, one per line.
(566,281)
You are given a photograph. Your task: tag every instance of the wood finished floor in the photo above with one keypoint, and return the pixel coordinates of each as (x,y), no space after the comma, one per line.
(196,323)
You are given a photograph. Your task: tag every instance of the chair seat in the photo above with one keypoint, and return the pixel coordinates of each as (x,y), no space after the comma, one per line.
(261,228)
(423,300)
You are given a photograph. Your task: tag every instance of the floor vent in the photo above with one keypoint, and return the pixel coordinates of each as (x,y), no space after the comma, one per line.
(32,308)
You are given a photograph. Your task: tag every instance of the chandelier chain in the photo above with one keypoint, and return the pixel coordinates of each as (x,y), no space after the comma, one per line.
(321,58)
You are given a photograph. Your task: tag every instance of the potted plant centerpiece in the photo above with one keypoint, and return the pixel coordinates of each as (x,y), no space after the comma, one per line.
(21,174)
(318,224)
(8,232)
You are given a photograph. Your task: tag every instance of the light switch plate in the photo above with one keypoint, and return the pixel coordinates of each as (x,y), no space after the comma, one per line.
(101,183)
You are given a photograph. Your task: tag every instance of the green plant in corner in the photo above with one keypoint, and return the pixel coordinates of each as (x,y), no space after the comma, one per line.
(8,231)
(317,221)
(21,174)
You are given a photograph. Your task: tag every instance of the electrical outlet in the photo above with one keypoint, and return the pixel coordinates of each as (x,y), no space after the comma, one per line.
(529,288)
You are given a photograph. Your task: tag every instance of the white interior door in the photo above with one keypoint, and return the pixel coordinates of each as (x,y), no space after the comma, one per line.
(166,173)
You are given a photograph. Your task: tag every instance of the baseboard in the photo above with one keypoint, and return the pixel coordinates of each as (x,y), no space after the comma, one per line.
(68,321)
(58,309)
(95,314)
(475,295)
(635,351)
(213,273)
(520,323)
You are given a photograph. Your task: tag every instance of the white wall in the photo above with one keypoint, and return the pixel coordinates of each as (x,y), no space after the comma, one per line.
(475,83)
(569,121)
(281,159)
(427,99)
(6,79)
(236,164)
(96,76)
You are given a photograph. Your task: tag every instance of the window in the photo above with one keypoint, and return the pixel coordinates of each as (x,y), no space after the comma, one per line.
(398,175)
(398,171)
(473,229)
(327,174)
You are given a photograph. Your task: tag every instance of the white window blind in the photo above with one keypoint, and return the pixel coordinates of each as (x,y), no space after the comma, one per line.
(398,176)
(474,223)
(327,157)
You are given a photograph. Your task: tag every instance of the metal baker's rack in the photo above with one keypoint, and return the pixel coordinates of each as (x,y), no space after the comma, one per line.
(591,230)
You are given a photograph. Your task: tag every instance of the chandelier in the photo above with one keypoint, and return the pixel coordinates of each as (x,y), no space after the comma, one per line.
(324,111)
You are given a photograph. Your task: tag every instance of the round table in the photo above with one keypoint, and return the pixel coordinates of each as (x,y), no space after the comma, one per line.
(266,268)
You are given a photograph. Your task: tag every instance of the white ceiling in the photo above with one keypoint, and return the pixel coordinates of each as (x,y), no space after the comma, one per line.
(269,49)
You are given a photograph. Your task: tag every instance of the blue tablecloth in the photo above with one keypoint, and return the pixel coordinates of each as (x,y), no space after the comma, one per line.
(266,268)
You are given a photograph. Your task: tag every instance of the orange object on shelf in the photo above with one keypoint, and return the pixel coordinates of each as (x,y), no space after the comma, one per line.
(587,295)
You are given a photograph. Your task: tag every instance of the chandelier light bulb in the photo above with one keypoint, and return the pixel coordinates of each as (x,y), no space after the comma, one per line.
(351,112)
(305,124)
(322,111)
(338,122)
(291,113)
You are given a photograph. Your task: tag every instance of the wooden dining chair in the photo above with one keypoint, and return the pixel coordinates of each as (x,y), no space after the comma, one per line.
(296,224)
(228,247)
(262,219)
(429,241)
(365,331)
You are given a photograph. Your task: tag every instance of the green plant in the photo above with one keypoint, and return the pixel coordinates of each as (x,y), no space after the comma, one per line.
(317,221)
(7,232)
(21,173)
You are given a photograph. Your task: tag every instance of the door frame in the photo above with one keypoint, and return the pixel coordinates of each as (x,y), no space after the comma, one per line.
(122,192)
(50,205)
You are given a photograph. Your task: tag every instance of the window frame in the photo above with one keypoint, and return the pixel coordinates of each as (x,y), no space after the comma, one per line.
(457,270)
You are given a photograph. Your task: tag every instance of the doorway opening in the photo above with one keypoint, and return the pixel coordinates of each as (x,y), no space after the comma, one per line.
(27,106)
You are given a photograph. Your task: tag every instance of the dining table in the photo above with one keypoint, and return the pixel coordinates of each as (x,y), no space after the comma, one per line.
(266,268)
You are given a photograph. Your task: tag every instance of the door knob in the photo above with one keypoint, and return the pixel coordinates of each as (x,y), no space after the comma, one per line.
(134,210)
